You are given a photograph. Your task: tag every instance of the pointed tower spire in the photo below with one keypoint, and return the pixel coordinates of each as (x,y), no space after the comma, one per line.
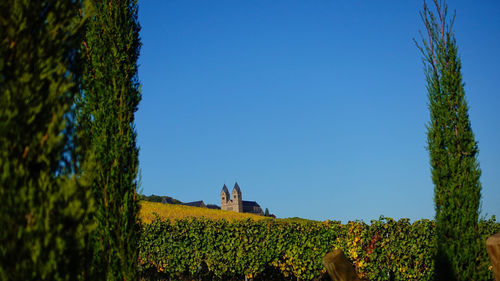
(237,200)
(237,188)
(225,198)
(224,189)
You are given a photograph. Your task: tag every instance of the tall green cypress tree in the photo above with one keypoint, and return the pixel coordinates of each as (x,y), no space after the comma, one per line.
(44,204)
(109,99)
(453,151)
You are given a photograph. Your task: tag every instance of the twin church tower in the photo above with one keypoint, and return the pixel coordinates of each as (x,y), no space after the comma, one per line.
(234,202)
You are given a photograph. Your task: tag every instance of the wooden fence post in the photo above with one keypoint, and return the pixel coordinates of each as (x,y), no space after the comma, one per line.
(338,267)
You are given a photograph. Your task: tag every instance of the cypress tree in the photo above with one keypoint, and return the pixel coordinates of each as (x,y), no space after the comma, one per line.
(44,203)
(453,151)
(110,96)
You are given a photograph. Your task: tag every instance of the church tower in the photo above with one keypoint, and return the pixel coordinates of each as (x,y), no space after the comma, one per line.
(237,201)
(225,198)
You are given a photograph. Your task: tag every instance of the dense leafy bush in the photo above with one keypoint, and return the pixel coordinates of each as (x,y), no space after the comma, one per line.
(209,249)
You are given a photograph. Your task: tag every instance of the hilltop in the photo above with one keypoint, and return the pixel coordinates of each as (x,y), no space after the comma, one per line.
(177,211)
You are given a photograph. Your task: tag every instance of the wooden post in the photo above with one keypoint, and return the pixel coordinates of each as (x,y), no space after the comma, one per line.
(338,267)
(493,247)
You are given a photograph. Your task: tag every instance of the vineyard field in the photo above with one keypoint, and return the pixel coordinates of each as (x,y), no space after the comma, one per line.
(176,212)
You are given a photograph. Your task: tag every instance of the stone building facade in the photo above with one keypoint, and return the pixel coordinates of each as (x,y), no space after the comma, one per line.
(234,202)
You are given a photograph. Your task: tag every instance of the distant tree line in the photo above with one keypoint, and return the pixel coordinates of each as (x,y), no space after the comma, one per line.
(169,200)
(159,199)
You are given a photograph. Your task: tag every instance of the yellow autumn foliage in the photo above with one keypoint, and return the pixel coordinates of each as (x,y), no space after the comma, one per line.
(175,212)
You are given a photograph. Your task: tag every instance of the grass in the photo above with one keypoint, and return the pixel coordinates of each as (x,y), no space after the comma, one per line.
(175,212)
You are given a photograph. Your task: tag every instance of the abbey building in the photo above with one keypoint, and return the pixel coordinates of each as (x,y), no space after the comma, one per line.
(234,202)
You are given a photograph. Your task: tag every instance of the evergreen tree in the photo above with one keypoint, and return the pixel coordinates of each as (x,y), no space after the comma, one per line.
(44,204)
(266,213)
(110,96)
(453,152)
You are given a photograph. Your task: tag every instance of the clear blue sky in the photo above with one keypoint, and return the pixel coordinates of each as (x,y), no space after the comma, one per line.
(316,108)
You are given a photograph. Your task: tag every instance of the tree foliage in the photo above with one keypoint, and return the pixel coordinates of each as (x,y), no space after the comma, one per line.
(453,151)
(108,102)
(44,204)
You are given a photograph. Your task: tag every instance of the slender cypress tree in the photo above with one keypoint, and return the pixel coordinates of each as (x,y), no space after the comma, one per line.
(453,151)
(110,96)
(44,203)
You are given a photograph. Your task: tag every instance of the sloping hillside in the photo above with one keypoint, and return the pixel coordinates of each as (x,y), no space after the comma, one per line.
(173,212)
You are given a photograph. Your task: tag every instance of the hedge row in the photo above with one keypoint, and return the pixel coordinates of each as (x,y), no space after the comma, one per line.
(206,249)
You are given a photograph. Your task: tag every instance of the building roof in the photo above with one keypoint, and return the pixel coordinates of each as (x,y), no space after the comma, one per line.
(195,204)
(237,188)
(250,203)
(224,189)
